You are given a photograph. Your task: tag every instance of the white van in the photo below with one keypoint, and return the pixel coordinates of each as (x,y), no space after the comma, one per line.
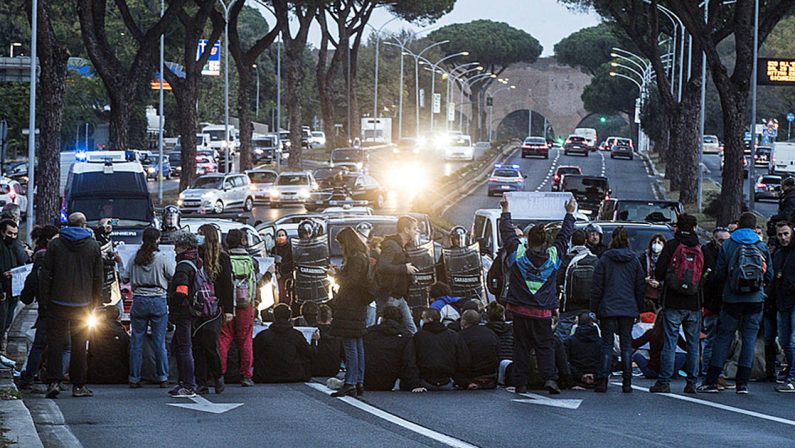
(782,159)
(591,137)
(218,141)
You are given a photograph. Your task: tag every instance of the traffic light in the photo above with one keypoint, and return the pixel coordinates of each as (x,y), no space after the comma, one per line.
(603,119)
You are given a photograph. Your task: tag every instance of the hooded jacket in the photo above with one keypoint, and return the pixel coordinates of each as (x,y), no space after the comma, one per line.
(532,276)
(672,299)
(350,303)
(712,290)
(726,256)
(390,271)
(281,355)
(782,289)
(504,332)
(181,288)
(619,286)
(389,355)
(441,355)
(786,205)
(151,280)
(71,273)
(483,346)
(584,351)
(326,359)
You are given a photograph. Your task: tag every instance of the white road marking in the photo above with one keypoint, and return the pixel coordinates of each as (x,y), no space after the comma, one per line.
(720,406)
(394,419)
(202,404)
(602,155)
(546,401)
(551,170)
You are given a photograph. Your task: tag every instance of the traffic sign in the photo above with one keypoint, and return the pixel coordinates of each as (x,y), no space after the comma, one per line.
(213,65)
(450,111)
(790,117)
(437,103)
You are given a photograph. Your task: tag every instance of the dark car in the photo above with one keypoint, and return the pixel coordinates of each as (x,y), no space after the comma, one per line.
(576,144)
(768,187)
(359,189)
(762,156)
(323,175)
(535,146)
(175,159)
(639,232)
(589,191)
(265,148)
(354,156)
(640,210)
(562,171)
(383,225)
(621,150)
(152,166)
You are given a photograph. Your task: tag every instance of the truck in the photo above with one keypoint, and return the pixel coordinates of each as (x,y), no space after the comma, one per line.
(219,141)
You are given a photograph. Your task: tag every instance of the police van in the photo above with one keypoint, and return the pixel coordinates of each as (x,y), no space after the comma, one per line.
(110,184)
(532,208)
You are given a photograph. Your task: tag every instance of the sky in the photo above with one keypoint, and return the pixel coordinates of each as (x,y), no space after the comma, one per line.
(546,20)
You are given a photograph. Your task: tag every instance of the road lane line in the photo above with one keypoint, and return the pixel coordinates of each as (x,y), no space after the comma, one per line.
(602,155)
(720,406)
(394,419)
(551,170)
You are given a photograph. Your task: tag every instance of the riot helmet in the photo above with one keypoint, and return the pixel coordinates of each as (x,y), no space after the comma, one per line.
(171,218)
(364,229)
(459,237)
(594,228)
(306,229)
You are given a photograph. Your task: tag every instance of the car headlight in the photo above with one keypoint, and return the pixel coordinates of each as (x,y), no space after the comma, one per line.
(275,193)
(150,170)
(303,194)
(180,202)
(258,151)
(181,196)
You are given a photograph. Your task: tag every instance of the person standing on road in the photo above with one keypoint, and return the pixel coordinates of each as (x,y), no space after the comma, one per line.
(351,308)
(712,292)
(532,294)
(181,292)
(648,261)
(394,271)
(149,275)
(786,205)
(680,268)
(283,258)
(575,276)
(71,286)
(12,255)
(206,332)
(782,293)
(744,267)
(241,326)
(617,295)
(170,224)
(595,237)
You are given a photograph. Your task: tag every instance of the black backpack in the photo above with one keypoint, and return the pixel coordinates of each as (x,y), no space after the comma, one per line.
(577,284)
(747,269)
(496,281)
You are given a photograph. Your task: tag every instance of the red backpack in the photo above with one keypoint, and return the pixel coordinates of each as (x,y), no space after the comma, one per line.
(685,270)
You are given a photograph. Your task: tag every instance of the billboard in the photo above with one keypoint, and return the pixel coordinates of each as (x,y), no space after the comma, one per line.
(213,65)
(776,72)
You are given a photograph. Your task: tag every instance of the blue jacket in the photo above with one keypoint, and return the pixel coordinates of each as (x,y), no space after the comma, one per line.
(727,254)
(533,279)
(619,284)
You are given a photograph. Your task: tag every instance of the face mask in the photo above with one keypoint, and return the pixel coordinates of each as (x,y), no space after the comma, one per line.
(657,248)
(8,239)
(200,239)
(281,240)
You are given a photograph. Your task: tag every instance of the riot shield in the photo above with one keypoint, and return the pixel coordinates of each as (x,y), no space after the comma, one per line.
(311,260)
(465,272)
(422,257)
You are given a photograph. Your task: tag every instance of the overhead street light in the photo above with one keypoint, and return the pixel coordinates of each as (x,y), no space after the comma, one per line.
(491,109)
(377,33)
(433,80)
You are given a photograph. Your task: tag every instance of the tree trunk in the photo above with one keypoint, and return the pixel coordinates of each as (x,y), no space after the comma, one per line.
(244,116)
(325,88)
(685,136)
(733,106)
(353,100)
(120,110)
(52,55)
(186,106)
(295,83)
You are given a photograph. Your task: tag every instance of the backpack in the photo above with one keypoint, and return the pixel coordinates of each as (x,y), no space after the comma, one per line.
(243,283)
(747,270)
(685,270)
(203,303)
(577,283)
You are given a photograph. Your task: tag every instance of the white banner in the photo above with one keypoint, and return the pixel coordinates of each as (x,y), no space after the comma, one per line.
(541,206)
(18,276)
(306,331)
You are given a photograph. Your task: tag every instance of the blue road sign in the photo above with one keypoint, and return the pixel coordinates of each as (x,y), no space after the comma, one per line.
(790,117)
(213,65)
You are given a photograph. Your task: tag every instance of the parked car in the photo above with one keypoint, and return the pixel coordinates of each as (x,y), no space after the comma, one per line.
(292,188)
(318,139)
(216,193)
(576,144)
(639,233)
(535,146)
(255,244)
(635,210)
(711,144)
(11,193)
(261,183)
(175,160)
(768,187)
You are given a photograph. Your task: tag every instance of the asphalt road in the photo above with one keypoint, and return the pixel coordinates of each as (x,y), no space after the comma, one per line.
(628,179)
(766,208)
(301,416)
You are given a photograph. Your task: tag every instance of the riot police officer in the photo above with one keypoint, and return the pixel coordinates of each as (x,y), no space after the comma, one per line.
(461,266)
(170,223)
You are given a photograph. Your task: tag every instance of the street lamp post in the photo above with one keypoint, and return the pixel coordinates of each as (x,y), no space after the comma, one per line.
(160,111)
(226,7)
(375,77)
(32,118)
(433,79)
(256,70)
(469,83)
(751,173)
(11,50)
(472,66)
(417,80)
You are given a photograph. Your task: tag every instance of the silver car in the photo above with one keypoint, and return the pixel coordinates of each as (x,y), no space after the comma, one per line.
(216,193)
(261,183)
(292,188)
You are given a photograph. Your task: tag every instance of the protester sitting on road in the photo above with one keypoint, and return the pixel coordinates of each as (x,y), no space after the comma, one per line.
(484,347)
(181,291)
(744,266)
(207,331)
(595,236)
(389,355)
(281,353)
(327,358)
(469,305)
(648,262)
(504,330)
(30,293)
(70,281)
(532,294)
(574,278)
(351,303)
(149,274)
(617,299)
(442,356)
(394,271)
(308,316)
(681,269)
(108,348)
(655,337)
(443,300)
(584,351)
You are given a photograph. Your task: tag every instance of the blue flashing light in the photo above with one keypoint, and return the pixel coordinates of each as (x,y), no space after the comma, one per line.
(81,156)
